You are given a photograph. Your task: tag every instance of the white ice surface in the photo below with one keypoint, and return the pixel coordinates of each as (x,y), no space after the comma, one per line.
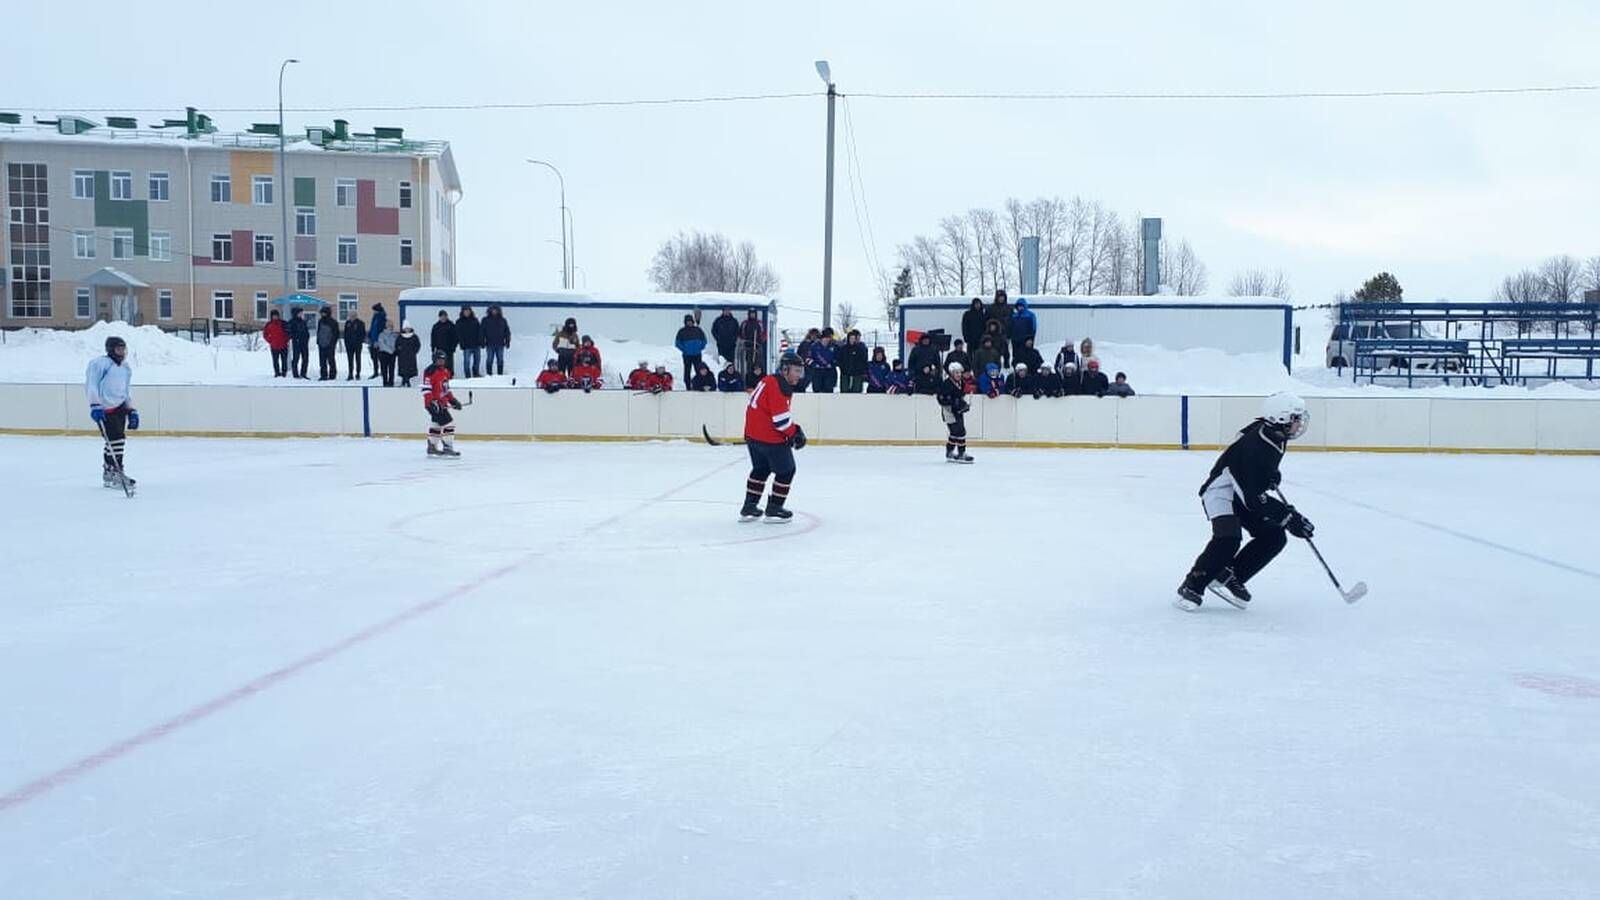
(331,669)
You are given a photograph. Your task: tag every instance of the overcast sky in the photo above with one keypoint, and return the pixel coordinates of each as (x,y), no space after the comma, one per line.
(1449,193)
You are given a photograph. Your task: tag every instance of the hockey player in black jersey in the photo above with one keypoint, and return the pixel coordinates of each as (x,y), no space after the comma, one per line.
(1236,499)
(953,407)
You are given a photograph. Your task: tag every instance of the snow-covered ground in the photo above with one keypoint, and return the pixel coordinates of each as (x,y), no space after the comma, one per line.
(332,669)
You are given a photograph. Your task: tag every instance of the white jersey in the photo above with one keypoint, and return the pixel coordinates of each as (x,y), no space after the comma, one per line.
(108,383)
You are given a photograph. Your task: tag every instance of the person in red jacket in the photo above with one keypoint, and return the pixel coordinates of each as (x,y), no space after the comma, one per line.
(661,380)
(277,338)
(551,379)
(436,397)
(771,436)
(640,379)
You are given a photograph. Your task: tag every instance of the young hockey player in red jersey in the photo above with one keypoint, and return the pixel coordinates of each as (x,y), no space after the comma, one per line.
(438,400)
(661,381)
(640,379)
(551,379)
(771,437)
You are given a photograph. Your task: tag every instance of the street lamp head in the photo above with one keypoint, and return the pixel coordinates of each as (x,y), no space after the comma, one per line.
(291,60)
(824,72)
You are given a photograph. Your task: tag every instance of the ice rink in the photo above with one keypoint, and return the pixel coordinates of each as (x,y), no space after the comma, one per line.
(336,669)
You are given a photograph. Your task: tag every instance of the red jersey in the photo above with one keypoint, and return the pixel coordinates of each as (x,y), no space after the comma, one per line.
(548,378)
(640,380)
(766,416)
(436,385)
(661,381)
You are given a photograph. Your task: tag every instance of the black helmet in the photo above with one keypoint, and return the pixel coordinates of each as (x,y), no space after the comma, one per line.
(113,343)
(790,359)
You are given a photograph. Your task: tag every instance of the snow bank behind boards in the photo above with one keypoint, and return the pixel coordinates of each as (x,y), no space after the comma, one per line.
(1346,423)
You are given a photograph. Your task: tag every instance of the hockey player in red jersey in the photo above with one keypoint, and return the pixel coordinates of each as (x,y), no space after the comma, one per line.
(771,437)
(436,397)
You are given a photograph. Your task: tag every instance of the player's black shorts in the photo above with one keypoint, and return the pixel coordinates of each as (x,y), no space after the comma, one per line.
(440,415)
(770,459)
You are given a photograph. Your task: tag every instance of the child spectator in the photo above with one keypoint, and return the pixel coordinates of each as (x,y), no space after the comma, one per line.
(1085,350)
(852,363)
(1094,380)
(1023,383)
(899,379)
(1066,355)
(985,353)
(878,372)
(661,381)
(754,372)
(958,354)
(1049,382)
(1071,381)
(728,379)
(551,379)
(990,382)
(822,365)
(703,380)
(1000,326)
(640,379)
(1120,387)
(588,355)
(1026,354)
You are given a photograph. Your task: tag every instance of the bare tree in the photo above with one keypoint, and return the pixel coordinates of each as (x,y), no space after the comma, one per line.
(956,258)
(1526,286)
(1260,283)
(1591,274)
(1184,272)
(698,261)
(845,314)
(1561,275)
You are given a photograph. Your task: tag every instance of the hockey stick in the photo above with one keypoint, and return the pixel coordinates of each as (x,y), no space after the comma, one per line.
(713,441)
(122,477)
(1357,590)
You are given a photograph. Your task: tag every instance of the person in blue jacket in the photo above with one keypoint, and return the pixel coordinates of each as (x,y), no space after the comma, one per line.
(691,342)
(990,381)
(380,324)
(878,372)
(823,363)
(728,380)
(899,379)
(1024,326)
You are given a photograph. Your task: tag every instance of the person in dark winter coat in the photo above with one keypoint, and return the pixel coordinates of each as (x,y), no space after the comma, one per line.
(725,331)
(355,342)
(327,345)
(1049,382)
(803,351)
(754,372)
(728,379)
(406,350)
(496,340)
(1025,353)
(1024,328)
(899,379)
(1066,355)
(1071,381)
(469,337)
(990,382)
(1023,383)
(1120,387)
(565,344)
(443,338)
(994,334)
(923,364)
(703,379)
(752,342)
(1000,314)
(1094,380)
(388,341)
(878,372)
(852,364)
(985,353)
(822,364)
(958,354)
(277,338)
(299,343)
(380,324)
(972,322)
(691,342)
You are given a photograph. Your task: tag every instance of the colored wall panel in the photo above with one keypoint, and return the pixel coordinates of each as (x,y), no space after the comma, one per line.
(370,217)
(305,192)
(132,214)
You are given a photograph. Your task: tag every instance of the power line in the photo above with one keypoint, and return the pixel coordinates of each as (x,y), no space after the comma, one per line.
(1243,95)
(456,107)
(860,182)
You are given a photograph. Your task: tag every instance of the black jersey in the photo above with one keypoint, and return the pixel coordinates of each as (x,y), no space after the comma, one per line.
(1249,467)
(952,396)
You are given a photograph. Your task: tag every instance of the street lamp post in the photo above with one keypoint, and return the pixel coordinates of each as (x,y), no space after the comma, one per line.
(283,184)
(566,271)
(827,220)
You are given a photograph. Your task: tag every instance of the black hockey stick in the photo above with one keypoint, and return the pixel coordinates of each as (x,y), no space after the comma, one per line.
(1357,590)
(713,441)
(122,477)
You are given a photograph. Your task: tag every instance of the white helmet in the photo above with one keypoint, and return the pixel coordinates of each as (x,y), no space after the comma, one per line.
(1287,412)
(956,368)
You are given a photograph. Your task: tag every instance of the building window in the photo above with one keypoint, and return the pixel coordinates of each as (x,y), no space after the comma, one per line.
(122,185)
(85,303)
(222,248)
(221,189)
(83,244)
(305,222)
(163,304)
(161,246)
(347,251)
(122,243)
(348,304)
(266,250)
(28,197)
(344,192)
(82,185)
(405,195)
(405,252)
(261,306)
(160,186)
(306,276)
(222,305)
(261,190)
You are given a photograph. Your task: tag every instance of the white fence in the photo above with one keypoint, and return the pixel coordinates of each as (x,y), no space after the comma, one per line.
(1417,424)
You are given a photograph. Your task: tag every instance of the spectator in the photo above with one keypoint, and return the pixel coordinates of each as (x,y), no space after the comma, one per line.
(444,338)
(725,331)
(995,335)
(299,342)
(923,358)
(1023,383)
(984,354)
(355,341)
(972,322)
(1066,355)
(1120,387)
(754,372)
(691,342)
(1025,353)
(728,379)
(823,363)
(551,379)
(899,379)
(1049,382)
(277,338)
(380,324)
(703,379)
(1024,328)
(327,345)
(565,344)
(958,354)
(469,335)
(1000,315)
(754,338)
(1094,380)
(406,349)
(640,379)
(878,372)
(1085,350)
(388,341)
(926,379)
(661,382)
(969,382)
(586,366)
(1071,381)
(804,352)
(990,382)
(496,339)
(852,364)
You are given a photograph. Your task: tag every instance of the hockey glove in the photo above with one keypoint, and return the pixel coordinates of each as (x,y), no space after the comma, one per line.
(1299,526)
(798,439)
(454,403)
(96,412)
(964,408)
(1274,510)
(435,407)
(133,420)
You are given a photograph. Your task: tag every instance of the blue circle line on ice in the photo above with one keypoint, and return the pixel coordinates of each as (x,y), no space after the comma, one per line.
(112,752)
(806,523)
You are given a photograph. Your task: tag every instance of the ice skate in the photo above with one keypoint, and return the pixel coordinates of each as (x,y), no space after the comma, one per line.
(1230,588)
(750,512)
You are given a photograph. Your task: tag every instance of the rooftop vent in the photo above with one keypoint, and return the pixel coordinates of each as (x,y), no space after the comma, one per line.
(69,124)
(10,118)
(264,128)
(121,122)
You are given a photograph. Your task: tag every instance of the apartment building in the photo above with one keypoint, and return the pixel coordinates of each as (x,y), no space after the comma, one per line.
(166,224)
